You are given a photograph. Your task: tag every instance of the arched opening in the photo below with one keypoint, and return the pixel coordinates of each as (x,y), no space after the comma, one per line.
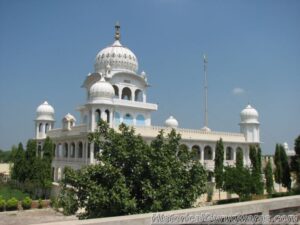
(126,93)
(89,150)
(140,120)
(128,120)
(97,115)
(72,150)
(40,127)
(60,150)
(208,153)
(46,127)
(117,118)
(66,150)
(40,150)
(80,150)
(116,91)
(138,95)
(196,152)
(107,116)
(229,153)
(54,150)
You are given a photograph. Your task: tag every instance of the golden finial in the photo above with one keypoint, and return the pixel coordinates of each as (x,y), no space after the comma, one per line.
(117,31)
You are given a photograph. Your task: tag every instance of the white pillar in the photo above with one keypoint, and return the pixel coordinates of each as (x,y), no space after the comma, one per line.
(92,153)
(93,121)
(202,156)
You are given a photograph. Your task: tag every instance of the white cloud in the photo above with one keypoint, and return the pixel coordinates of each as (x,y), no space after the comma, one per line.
(238,91)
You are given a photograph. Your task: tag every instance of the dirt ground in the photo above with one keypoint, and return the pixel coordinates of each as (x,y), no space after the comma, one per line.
(33,216)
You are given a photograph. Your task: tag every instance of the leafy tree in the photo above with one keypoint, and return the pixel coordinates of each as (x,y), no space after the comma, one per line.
(219,165)
(255,157)
(135,177)
(5,156)
(19,164)
(295,162)
(286,175)
(278,165)
(282,171)
(239,161)
(236,180)
(269,178)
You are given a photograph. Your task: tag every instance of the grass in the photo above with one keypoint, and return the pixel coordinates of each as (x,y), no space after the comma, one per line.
(7,192)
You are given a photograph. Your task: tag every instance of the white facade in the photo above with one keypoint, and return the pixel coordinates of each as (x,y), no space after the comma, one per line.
(116,93)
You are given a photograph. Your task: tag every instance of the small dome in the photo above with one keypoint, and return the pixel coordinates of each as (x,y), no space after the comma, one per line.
(45,112)
(69,117)
(249,115)
(171,122)
(101,89)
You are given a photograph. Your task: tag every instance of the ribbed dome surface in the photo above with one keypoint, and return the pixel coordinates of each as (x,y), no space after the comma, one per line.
(45,112)
(249,115)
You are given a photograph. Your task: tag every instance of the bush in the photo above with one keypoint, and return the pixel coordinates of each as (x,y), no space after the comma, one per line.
(40,204)
(26,203)
(281,194)
(2,204)
(12,204)
(227,201)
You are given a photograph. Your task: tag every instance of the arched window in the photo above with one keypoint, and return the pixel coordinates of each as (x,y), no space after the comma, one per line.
(98,115)
(128,120)
(89,150)
(140,120)
(116,91)
(196,152)
(46,127)
(126,93)
(138,95)
(40,127)
(73,150)
(66,150)
(117,118)
(107,116)
(80,150)
(229,153)
(208,153)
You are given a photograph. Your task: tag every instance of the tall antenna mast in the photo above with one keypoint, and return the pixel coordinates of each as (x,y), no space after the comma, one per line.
(205,94)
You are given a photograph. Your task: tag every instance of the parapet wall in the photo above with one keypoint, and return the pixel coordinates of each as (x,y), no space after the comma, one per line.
(269,207)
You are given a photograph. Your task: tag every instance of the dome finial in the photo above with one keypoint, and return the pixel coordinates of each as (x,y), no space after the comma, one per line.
(117,31)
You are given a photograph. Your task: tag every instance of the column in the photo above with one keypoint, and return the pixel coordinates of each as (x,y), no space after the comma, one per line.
(202,156)
(92,153)
(234,154)
(132,95)
(92,120)
(144,97)
(111,118)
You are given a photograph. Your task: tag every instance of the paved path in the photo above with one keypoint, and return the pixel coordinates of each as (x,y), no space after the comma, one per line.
(32,216)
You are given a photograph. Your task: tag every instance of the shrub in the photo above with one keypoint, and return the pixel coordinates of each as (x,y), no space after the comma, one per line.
(281,194)
(227,201)
(12,204)
(2,204)
(40,204)
(210,191)
(26,203)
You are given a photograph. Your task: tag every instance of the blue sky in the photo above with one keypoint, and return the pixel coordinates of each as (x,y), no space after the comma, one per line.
(253,47)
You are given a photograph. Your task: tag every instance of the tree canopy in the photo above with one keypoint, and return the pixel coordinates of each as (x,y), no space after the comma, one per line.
(219,165)
(132,176)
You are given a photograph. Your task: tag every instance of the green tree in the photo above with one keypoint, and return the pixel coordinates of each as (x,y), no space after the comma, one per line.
(278,165)
(19,164)
(257,182)
(236,180)
(286,175)
(269,178)
(295,163)
(282,170)
(5,156)
(239,161)
(219,165)
(135,177)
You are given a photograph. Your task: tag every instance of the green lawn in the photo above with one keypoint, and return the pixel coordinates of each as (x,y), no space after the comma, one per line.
(6,192)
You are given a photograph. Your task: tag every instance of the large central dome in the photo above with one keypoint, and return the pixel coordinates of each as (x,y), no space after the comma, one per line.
(116,56)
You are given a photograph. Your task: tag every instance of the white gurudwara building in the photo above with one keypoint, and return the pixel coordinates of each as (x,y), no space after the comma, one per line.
(116,93)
